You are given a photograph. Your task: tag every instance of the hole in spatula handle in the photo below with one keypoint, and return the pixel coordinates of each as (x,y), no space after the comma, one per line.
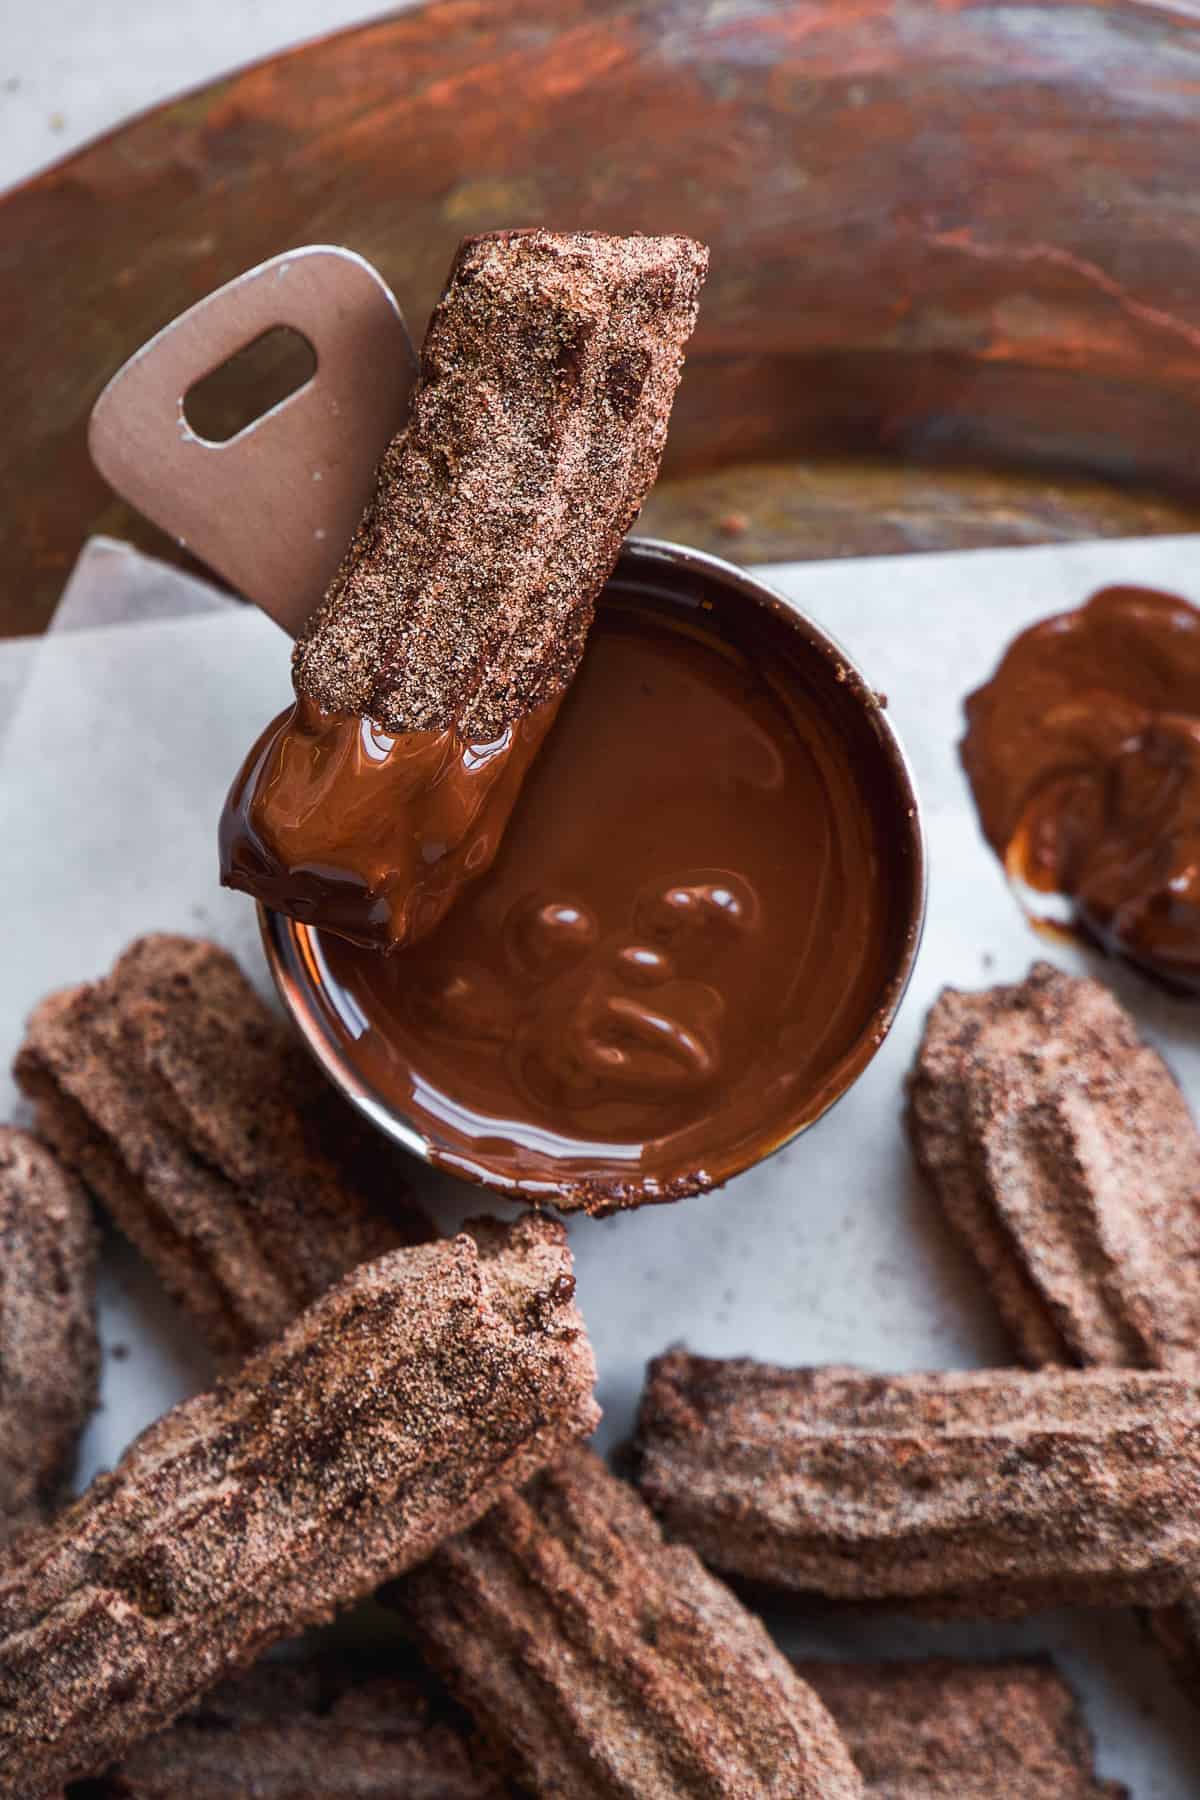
(254,380)
(271,507)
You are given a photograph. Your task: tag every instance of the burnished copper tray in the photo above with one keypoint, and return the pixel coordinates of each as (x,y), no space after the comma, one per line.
(955,290)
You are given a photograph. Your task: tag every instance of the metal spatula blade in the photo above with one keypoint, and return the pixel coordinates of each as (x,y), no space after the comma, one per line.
(273,508)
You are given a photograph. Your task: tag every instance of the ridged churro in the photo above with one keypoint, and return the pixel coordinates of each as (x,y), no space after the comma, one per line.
(1062,1152)
(606,1664)
(219,1148)
(547,376)
(991,1492)
(431,672)
(947,1730)
(287,1729)
(392,1414)
(49,1356)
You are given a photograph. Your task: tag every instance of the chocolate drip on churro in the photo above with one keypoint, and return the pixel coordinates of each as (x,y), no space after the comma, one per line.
(609,1665)
(222,1152)
(389,1416)
(995,1492)
(431,672)
(49,1356)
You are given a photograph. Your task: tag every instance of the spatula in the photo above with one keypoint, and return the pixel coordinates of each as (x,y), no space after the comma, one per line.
(271,509)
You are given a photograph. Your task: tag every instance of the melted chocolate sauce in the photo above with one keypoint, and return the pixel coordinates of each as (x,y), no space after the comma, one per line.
(689,941)
(335,822)
(1083,753)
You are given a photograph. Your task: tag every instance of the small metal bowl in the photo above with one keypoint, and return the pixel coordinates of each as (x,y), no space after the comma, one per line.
(670,571)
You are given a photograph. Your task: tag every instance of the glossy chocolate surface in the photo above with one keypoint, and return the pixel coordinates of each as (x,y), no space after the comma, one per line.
(337,823)
(1083,753)
(693,934)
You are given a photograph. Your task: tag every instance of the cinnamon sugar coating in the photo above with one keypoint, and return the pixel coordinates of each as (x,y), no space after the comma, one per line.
(992,1492)
(537,426)
(392,1414)
(288,1730)
(1063,1154)
(49,1356)
(606,1664)
(220,1149)
(948,1730)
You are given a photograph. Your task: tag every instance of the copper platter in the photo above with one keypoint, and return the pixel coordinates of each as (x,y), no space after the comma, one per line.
(955,295)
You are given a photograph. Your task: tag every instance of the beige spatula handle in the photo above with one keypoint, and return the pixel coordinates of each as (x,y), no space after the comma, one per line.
(272,509)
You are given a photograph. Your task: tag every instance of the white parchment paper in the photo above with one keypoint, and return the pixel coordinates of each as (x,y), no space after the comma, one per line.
(111,584)
(121,741)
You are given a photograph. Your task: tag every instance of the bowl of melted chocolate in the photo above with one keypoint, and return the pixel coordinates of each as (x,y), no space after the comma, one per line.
(695,932)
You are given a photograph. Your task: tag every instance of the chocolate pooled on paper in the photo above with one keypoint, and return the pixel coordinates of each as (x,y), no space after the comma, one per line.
(1083,754)
(431,672)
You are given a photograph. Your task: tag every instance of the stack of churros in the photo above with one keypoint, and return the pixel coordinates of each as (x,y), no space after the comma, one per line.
(403,1415)
(1065,1158)
(607,1661)
(412,1426)
(388,1416)
(211,1138)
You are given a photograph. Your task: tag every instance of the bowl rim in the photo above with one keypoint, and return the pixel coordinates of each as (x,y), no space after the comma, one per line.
(290,960)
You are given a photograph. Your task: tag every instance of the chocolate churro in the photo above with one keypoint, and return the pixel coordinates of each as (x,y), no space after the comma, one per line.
(49,1357)
(392,1414)
(431,672)
(1063,1154)
(991,1492)
(289,1729)
(202,1125)
(547,376)
(946,1730)
(608,1665)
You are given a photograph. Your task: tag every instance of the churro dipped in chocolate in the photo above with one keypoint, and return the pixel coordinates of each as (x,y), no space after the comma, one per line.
(431,672)
(49,1356)
(995,1492)
(606,1664)
(286,1730)
(213,1140)
(392,1414)
(1063,1154)
(947,1730)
